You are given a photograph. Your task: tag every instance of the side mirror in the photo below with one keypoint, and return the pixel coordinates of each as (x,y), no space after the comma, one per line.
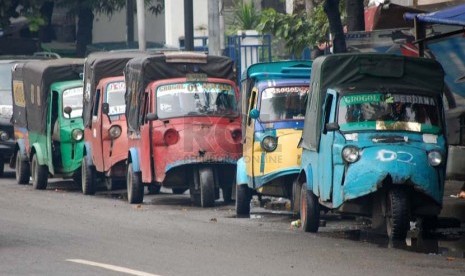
(151,116)
(254,113)
(332,126)
(68,110)
(105,108)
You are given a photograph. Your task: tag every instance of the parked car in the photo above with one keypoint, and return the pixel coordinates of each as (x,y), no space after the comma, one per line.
(105,120)
(183,125)
(273,101)
(374,141)
(47,110)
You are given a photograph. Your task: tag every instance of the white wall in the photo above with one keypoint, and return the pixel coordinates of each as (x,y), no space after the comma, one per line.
(109,29)
(174,20)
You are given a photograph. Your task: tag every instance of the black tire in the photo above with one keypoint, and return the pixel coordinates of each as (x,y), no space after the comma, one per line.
(88,177)
(22,169)
(397,214)
(39,174)
(309,210)
(227,193)
(2,168)
(207,187)
(243,197)
(154,189)
(178,191)
(135,187)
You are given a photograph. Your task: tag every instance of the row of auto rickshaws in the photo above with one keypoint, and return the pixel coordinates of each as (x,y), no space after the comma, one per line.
(361,134)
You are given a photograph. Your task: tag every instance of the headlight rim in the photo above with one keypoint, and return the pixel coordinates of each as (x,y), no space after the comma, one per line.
(345,156)
(4,136)
(430,158)
(263,143)
(77,134)
(111,133)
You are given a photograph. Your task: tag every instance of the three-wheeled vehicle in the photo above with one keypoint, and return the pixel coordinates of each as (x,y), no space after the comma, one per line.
(105,136)
(47,109)
(374,141)
(183,125)
(273,104)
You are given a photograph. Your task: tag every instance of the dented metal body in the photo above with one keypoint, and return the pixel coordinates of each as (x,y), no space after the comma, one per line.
(375,132)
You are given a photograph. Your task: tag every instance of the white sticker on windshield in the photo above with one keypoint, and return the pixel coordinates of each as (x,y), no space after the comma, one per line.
(430,138)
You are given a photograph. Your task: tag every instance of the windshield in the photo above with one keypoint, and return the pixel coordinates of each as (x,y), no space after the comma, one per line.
(73,98)
(5,84)
(115,97)
(196,98)
(283,103)
(377,111)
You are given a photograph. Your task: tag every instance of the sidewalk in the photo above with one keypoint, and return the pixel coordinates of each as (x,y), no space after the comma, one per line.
(453,207)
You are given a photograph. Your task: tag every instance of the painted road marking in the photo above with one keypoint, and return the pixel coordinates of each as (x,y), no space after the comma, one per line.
(112,267)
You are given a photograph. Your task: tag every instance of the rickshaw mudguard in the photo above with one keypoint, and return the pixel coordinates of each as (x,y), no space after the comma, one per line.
(40,154)
(241,173)
(403,165)
(134,156)
(267,178)
(88,153)
(21,145)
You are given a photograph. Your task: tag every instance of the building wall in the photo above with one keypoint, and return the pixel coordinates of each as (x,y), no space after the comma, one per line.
(174,20)
(110,29)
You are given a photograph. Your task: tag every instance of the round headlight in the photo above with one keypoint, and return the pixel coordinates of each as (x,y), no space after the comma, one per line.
(114,132)
(4,136)
(434,158)
(77,134)
(269,143)
(350,154)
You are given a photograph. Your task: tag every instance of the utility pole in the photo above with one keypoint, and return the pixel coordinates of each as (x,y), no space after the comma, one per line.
(188,25)
(141,24)
(214,27)
(129,22)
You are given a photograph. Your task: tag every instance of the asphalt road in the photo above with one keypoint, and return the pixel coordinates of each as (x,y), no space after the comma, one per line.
(59,231)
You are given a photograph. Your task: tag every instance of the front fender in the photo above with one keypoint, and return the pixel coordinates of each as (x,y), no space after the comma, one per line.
(21,148)
(134,158)
(309,178)
(88,153)
(40,154)
(241,173)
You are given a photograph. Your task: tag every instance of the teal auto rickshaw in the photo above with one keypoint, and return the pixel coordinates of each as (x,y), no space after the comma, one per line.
(374,141)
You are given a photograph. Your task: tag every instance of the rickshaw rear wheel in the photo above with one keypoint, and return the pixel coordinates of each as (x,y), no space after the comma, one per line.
(243,197)
(309,210)
(207,187)
(135,187)
(397,213)
(87,177)
(22,169)
(2,168)
(39,174)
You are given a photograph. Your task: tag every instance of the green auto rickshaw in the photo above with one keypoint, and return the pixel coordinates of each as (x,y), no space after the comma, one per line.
(47,110)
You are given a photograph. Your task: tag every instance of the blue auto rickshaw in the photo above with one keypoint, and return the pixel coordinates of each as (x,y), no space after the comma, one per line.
(374,141)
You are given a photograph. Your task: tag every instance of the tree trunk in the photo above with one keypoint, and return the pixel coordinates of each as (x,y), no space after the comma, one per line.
(46,33)
(331,8)
(355,15)
(309,6)
(84,30)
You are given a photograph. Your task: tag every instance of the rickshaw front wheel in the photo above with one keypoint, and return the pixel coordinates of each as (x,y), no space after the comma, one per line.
(22,169)
(135,187)
(243,197)
(397,213)
(39,174)
(87,177)
(309,210)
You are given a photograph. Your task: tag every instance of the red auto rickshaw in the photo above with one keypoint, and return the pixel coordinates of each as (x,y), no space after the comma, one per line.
(105,120)
(183,125)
